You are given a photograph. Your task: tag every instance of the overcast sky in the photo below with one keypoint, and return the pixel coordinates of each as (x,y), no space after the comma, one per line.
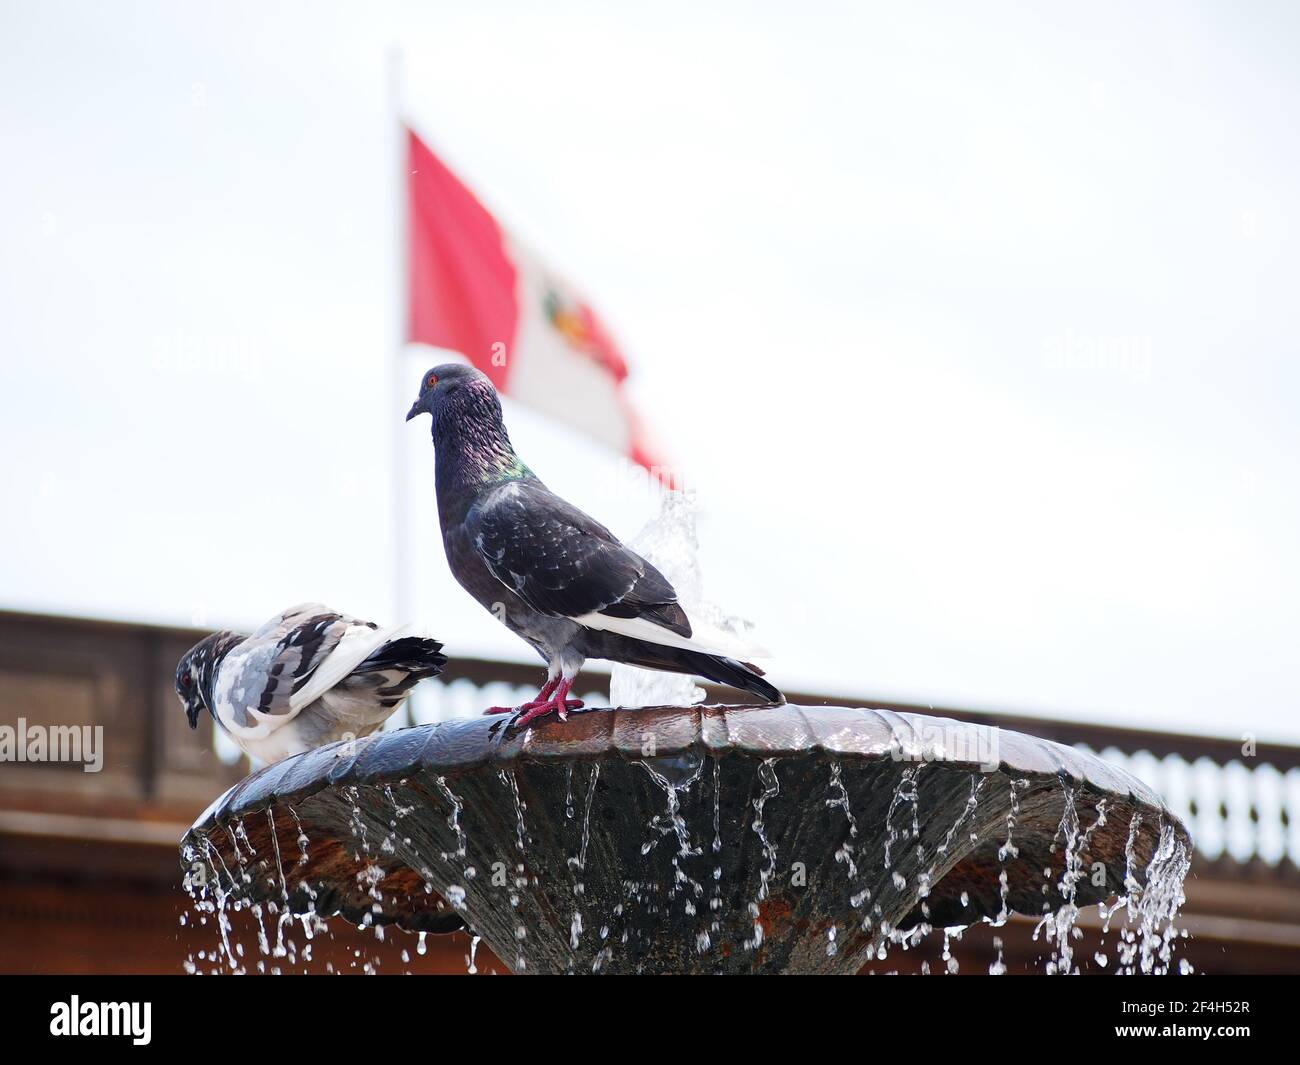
(975,326)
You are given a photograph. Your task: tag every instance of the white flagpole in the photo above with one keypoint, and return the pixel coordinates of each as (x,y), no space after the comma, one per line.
(403,518)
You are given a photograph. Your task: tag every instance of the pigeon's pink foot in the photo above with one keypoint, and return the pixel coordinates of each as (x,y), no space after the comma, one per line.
(558,703)
(543,697)
(537,709)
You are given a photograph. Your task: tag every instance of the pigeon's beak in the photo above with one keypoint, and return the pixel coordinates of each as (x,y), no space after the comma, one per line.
(192,714)
(416,408)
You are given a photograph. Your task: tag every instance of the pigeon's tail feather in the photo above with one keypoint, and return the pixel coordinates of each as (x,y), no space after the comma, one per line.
(743,675)
(717,668)
(416,656)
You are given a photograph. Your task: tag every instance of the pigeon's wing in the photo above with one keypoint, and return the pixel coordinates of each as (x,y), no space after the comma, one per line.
(296,616)
(565,564)
(287,664)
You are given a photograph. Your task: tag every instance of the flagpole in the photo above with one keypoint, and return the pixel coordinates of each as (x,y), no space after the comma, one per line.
(403,601)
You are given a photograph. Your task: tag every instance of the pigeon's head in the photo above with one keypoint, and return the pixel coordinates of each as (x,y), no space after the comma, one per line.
(455,392)
(197,669)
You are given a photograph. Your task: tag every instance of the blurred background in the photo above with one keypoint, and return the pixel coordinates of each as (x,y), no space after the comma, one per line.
(973,329)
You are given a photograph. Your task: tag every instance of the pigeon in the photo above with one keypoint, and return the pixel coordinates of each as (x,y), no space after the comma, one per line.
(555,577)
(307,677)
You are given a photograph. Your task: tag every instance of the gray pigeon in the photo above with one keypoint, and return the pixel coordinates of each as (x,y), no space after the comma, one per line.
(555,577)
(308,677)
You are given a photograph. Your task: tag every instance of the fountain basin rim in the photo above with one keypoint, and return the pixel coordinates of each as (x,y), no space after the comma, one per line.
(832,733)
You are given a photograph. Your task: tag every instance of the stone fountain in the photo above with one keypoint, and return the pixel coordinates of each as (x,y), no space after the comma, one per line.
(704,839)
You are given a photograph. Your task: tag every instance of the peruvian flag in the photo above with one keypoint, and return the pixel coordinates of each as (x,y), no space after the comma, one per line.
(473,289)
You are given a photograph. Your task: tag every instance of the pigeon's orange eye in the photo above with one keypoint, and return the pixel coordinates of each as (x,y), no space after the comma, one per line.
(433,380)
(185,680)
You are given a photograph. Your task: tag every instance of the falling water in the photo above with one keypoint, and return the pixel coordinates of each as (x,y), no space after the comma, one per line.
(771,788)
(303,841)
(259,886)
(578,863)
(1058,923)
(715,903)
(840,798)
(1153,907)
(284,915)
(453,820)
(508,778)
(674,776)
(586,813)
(905,792)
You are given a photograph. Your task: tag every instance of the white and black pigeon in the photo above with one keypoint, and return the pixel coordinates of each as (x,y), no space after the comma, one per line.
(308,677)
(554,576)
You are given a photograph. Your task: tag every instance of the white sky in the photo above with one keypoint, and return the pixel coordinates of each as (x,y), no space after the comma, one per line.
(975,326)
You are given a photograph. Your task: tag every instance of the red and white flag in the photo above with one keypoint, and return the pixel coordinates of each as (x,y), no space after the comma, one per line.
(474,290)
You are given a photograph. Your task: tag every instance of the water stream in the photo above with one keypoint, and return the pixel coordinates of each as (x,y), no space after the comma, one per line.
(249,893)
